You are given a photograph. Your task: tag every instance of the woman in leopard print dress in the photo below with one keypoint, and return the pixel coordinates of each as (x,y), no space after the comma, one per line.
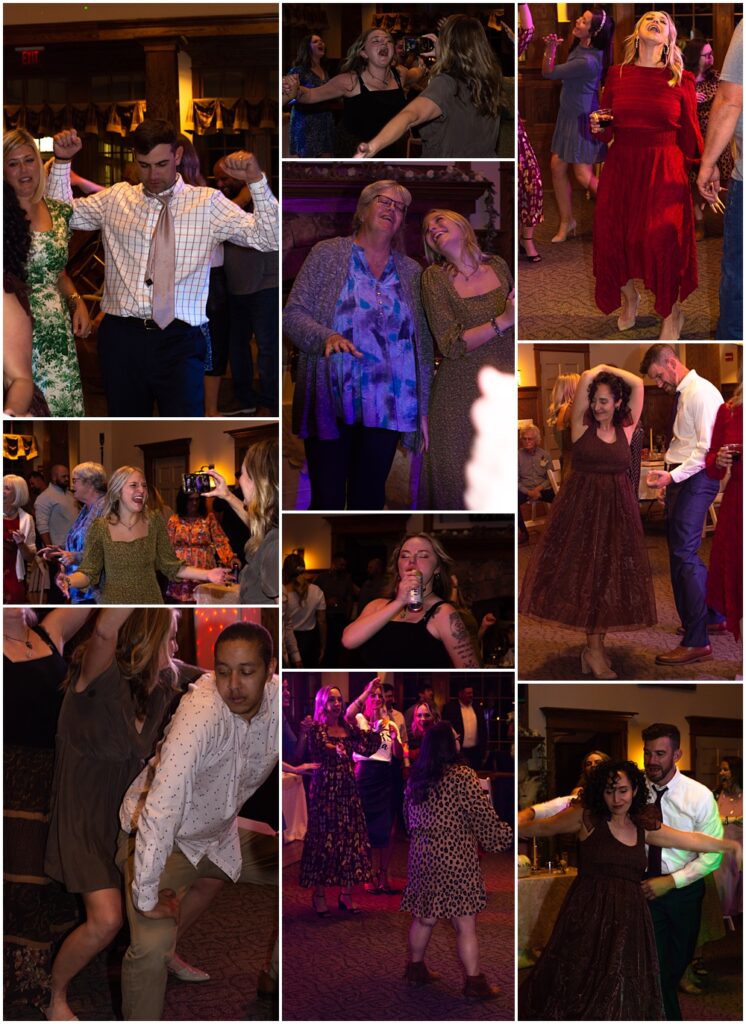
(448,817)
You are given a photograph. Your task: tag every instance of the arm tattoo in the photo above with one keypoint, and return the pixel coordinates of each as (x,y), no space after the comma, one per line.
(462,643)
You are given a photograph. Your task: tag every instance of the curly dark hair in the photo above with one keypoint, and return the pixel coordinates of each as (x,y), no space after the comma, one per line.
(598,778)
(303,56)
(621,391)
(438,752)
(16,242)
(736,769)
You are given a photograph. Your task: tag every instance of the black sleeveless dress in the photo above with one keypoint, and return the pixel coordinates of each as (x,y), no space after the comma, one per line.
(405,645)
(600,962)
(364,115)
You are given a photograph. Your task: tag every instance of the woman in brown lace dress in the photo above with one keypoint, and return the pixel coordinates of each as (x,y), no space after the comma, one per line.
(600,962)
(468,300)
(594,540)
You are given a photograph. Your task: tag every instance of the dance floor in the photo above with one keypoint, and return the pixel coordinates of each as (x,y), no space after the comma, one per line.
(550,652)
(230,942)
(555,297)
(351,967)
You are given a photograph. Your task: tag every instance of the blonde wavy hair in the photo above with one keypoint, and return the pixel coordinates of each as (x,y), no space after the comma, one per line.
(563,392)
(674,61)
(118,479)
(470,245)
(261,462)
(355,61)
(20,137)
(467,56)
(142,647)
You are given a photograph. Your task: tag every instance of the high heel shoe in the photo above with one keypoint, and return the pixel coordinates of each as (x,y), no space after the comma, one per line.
(349,907)
(525,255)
(570,230)
(625,322)
(677,318)
(315,901)
(184,971)
(597,673)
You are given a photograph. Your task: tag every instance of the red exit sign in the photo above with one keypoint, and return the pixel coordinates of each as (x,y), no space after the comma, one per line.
(29,54)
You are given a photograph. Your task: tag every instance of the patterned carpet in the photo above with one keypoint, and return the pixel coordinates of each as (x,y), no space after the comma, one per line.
(350,968)
(555,296)
(550,652)
(230,942)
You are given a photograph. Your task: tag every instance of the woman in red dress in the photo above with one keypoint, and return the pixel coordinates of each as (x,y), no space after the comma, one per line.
(725,575)
(644,225)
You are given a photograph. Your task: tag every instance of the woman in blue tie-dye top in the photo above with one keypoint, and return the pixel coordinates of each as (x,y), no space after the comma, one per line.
(365,354)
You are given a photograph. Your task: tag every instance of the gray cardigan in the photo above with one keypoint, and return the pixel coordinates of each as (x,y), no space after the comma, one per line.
(307,321)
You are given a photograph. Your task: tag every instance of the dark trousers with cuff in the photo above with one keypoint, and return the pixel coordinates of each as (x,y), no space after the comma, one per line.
(351,470)
(143,368)
(676,918)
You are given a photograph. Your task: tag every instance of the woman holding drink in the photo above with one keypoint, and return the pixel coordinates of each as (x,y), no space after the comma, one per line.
(644,223)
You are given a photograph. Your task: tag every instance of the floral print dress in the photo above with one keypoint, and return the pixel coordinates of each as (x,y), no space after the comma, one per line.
(336,850)
(200,543)
(54,358)
(530,187)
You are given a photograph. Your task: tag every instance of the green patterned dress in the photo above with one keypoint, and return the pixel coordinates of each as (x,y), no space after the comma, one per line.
(54,359)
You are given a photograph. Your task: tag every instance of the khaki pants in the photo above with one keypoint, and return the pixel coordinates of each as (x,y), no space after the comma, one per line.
(152,941)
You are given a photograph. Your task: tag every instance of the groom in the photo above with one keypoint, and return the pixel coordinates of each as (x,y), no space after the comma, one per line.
(689,493)
(675,884)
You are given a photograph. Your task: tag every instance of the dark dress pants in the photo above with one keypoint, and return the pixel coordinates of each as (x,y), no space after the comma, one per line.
(351,470)
(141,368)
(255,314)
(676,919)
(686,507)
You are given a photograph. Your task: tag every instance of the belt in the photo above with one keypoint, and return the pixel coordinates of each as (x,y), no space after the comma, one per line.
(148,324)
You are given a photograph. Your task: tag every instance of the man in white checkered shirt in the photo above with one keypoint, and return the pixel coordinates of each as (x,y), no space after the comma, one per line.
(142,364)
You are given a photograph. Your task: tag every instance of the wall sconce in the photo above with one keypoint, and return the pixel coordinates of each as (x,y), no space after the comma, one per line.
(562,13)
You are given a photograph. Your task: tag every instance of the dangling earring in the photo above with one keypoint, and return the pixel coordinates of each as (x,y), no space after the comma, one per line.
(437,579)
(664,54)
(637,43)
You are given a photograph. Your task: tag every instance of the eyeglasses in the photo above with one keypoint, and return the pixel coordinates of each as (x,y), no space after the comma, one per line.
(391,204)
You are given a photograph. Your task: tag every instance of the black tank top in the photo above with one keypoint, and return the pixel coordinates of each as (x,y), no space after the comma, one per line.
(405,645)
(366,114)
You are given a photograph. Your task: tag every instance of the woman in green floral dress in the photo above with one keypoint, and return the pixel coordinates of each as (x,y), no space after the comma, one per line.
(52,294)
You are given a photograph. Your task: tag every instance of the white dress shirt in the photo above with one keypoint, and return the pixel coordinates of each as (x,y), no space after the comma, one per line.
(469,718)
(689,806)
(126,215)
(188,796)
(549,808)
(699,401)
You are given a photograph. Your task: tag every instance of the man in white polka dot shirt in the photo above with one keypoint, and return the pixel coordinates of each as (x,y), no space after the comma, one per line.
(179,817)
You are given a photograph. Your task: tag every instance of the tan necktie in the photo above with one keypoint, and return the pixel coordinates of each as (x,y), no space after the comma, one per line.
(161,268)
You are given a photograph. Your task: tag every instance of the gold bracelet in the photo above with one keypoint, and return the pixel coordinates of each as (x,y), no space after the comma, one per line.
(71,301)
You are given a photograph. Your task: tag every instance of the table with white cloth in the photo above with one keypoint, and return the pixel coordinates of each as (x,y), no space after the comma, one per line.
(216,593)
(540,896)
(294,808)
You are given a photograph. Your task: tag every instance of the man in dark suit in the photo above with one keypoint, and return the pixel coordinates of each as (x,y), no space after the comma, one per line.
(468,721)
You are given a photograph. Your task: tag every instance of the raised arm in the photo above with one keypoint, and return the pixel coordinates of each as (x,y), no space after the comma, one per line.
(567,821)
(63,623)
(102,645)
(697,842)
(454,636)
(417,112)
(356,706)
(336,88)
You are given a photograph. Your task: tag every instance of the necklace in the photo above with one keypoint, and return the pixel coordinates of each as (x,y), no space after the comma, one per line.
(132,525)
(381,81)
(468,277)
(27,642)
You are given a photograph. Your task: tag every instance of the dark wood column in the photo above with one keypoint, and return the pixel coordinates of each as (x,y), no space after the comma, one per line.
(162,80)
